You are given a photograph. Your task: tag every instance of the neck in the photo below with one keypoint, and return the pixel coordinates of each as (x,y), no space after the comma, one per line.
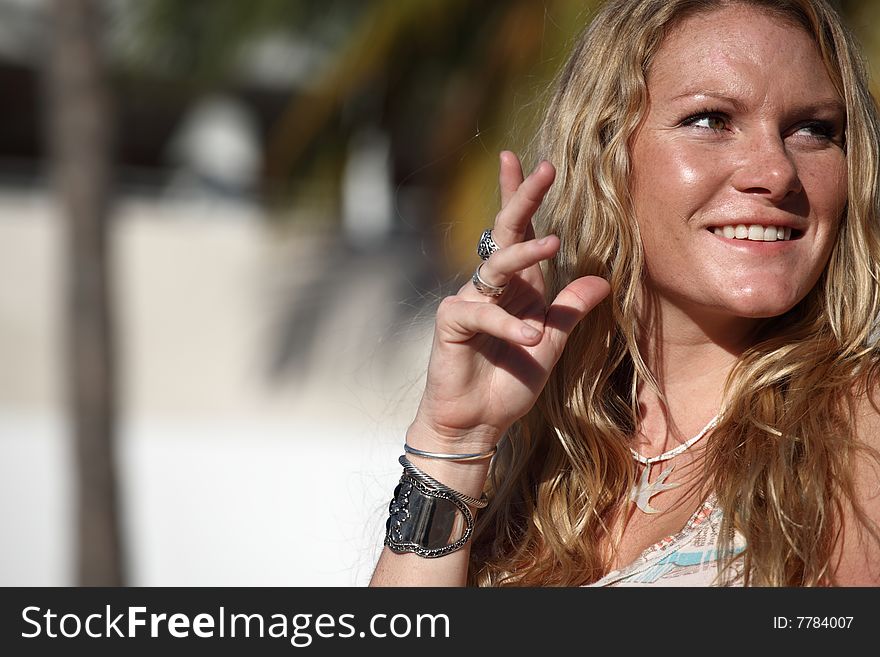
(690,355)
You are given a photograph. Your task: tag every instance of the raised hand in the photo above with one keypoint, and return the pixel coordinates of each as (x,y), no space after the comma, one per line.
(492,356)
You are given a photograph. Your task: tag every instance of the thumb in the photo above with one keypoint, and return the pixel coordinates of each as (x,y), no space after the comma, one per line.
(571,305)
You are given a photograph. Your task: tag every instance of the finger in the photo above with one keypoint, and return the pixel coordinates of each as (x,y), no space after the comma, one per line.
(459,320)
(504,263)
(513,222)
(510,176)
(570,306)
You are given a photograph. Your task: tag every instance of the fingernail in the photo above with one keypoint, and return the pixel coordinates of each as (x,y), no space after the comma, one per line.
(530,332)
(544,240)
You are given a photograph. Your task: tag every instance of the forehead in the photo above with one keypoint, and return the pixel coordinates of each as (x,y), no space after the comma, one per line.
(740,48)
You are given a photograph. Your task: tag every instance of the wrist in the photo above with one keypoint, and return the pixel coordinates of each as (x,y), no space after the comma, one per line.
(469,477)
(427,436)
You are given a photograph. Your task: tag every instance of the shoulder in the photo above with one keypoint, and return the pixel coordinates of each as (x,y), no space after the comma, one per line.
(858,551)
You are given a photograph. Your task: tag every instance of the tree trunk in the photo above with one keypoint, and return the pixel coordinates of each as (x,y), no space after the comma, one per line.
(78,140)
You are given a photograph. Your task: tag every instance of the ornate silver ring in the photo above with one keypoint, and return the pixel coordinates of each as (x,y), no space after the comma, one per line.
(485,288)
(486,246)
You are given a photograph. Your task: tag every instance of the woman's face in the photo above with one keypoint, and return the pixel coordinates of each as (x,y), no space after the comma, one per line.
(742,145)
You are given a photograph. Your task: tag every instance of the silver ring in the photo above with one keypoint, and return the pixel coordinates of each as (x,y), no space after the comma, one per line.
(485,288)
(486,246)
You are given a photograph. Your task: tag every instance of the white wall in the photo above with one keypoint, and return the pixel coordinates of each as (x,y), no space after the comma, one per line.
(227,477)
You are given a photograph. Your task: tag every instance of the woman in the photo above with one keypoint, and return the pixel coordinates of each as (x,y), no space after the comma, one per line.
(712,420)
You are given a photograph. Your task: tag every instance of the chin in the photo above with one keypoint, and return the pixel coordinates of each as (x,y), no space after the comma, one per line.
(761,306)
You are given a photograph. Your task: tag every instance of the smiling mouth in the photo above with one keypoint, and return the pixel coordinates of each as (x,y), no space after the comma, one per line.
(757,233)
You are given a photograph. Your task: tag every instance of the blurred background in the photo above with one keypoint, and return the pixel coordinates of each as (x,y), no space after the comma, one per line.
(224,228)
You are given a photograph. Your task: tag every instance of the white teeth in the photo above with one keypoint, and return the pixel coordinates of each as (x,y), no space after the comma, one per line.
(754,232)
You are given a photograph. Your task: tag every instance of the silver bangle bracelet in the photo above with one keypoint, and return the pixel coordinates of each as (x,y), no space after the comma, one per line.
(428,480)
(476,456)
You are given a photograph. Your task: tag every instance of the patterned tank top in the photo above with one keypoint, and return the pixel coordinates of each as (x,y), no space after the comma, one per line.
(688,558)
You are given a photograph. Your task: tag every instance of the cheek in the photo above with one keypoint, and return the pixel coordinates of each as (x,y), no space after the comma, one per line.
(826,185)
(687,171)
(827,189)
(839,194)
(671,184)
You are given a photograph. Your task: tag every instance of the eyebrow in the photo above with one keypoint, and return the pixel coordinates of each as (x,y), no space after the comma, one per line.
(737,104)
(832,104)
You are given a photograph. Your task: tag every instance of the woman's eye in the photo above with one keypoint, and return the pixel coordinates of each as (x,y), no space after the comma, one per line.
(817,130)
(714,122)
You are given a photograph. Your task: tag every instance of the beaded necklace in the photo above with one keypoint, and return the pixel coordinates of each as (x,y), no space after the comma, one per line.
(642,491)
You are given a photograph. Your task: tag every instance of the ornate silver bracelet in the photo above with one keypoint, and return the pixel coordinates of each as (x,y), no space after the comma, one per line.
(429,481)
(431,523)
(426,517)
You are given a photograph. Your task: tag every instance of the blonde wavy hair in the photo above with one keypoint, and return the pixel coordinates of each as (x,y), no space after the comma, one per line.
(781,459)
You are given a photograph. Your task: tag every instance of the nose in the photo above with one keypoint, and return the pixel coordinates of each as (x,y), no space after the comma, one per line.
(767,169)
